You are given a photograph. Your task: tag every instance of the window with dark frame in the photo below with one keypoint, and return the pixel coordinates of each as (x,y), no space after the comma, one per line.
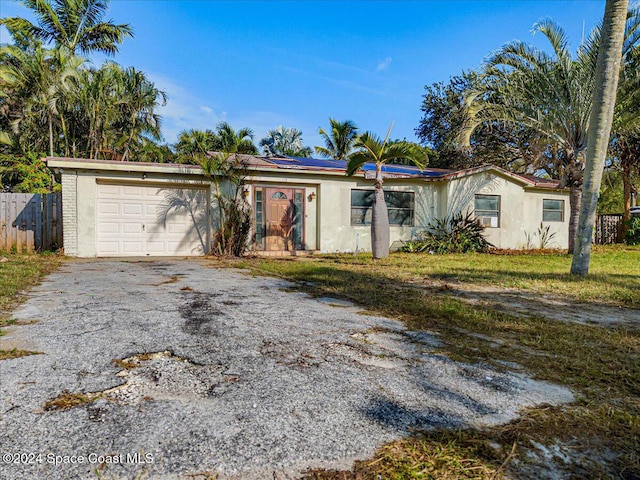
(552,210)
(400,205)
(487,210)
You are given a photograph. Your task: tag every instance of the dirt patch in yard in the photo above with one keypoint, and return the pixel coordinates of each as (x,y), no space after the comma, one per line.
(521,303)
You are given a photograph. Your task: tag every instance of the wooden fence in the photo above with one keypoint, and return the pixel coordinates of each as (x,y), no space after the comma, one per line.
(30,222)
(608,229)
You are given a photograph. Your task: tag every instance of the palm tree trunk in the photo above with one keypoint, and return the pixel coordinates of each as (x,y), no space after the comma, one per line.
(575,200)
(50,136)
(63,124)
(379,220)
(604,99)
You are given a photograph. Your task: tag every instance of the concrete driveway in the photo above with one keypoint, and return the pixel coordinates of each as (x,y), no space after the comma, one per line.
(217,371)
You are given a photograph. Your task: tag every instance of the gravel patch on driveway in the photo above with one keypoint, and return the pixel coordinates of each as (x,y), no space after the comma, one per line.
(221,372)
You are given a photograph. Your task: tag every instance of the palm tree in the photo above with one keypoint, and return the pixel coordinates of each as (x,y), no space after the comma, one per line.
(232,141)
(95,112)
(112,112)
(193,144)
(72,24)
(604,101)
(136,102)
(370,148)
(39,78)
(285,142)
(339,141)
(625,145)
(549,94)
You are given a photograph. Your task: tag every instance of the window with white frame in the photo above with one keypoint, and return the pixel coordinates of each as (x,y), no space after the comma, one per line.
(487,210)
(552,210)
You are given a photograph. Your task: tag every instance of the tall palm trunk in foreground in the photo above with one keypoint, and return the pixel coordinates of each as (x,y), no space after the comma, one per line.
(372,149)
(606,86)
(380,235)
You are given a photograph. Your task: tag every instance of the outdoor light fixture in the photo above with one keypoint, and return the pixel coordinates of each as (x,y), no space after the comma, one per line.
(144,176)
(245,193)
(312,196)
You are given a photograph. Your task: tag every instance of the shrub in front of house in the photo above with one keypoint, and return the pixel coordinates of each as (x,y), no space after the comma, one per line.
(457,233)
(633,231)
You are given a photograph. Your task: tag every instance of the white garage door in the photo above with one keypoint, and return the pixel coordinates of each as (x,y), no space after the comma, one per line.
(135,220)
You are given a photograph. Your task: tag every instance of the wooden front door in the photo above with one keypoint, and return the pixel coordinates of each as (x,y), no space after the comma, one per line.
(280,218)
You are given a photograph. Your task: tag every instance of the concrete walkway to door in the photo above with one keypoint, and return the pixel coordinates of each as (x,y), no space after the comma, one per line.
(188,369)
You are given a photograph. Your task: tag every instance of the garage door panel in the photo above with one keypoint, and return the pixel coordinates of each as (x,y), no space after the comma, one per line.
(132,228)
(109,248)
(133,247)
(154,210)
(155,192)
(104,227)
(179,248)
(156,248)
(113,190)
(132,209)
(133,190)
(131,221)
(108,208)
(154,228)
(177,228)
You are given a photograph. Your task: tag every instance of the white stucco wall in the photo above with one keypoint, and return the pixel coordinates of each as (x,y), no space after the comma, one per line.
(327,216)
(337,233)
(520,209)
(533,215)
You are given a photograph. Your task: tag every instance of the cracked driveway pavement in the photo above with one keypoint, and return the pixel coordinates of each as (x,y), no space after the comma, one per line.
(217,371)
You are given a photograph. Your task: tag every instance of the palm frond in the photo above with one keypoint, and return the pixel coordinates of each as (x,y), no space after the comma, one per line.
(555,34)
(356,161)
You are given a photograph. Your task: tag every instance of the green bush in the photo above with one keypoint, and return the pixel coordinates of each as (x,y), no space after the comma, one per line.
(633,231)
(26,174)
(455,234)
(232,238)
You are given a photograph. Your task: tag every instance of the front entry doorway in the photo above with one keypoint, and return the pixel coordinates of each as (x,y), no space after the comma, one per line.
(278,218)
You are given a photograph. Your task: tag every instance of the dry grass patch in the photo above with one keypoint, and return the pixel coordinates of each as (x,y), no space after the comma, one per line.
(21,272)
(15,353)
(443,455)
(18,273)
(68,400)
(11,322)
(171,279)
(135,361)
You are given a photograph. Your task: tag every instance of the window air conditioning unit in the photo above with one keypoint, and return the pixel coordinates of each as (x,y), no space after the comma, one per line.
(488,221)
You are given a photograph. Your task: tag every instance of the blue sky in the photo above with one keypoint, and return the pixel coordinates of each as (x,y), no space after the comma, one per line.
(261,64)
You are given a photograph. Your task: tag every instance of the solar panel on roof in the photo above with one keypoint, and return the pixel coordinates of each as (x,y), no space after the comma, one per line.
(321,163)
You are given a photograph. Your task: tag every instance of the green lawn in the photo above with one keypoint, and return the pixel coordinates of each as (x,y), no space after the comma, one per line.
(614,275)
(17,274)
(600,364)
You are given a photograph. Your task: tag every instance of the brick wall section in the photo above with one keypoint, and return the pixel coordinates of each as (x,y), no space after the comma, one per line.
(70,213)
